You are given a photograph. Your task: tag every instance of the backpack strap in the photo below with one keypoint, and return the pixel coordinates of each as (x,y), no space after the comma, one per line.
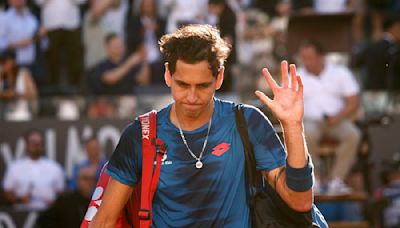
(150,177)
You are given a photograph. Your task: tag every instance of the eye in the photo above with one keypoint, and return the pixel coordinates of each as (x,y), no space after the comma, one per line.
(205,85)
(182,84)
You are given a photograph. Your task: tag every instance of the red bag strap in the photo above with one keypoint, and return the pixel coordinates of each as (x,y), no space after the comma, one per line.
(149,178)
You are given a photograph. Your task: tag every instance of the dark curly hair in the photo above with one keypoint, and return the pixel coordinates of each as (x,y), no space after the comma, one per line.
(193,44)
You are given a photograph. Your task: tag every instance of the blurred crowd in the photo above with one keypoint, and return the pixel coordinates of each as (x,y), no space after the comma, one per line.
(110,48)
(97,50)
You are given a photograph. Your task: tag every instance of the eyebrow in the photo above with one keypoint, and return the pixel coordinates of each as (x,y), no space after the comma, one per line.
(199,84)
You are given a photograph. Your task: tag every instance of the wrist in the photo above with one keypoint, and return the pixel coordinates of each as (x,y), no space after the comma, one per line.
(292,126)
(300,179)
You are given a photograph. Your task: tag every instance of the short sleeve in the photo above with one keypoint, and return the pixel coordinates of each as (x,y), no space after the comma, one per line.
(349,84)
(9,178)
(125,162)
(268,149)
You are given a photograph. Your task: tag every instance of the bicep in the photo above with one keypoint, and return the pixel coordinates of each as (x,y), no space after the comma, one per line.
(115,198)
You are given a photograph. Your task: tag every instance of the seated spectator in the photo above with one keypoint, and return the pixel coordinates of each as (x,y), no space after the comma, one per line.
(17,88)
(94,160)
(34,181)
(101,107)
(117,74)
(145,30)
(387,198)
(69,209)
(330,100)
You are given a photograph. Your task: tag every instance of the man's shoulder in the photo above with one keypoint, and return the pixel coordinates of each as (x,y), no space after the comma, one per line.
(227,108)
(338,70)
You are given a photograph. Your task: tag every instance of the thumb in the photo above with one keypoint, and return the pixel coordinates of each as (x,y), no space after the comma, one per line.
(264,99)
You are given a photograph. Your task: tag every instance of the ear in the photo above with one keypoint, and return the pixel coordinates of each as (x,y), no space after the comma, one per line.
(220,78)
(167,75)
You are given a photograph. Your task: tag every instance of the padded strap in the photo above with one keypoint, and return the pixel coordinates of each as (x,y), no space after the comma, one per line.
(148,125)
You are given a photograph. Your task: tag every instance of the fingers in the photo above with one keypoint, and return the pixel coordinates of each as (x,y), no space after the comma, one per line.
(271,82)
(285,76)
(300,84)
(264,99)
(293,77)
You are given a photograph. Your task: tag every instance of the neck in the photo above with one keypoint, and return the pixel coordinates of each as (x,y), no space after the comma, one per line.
(94,160)
(34,158)
(189,123)
(115,59)
(19,10)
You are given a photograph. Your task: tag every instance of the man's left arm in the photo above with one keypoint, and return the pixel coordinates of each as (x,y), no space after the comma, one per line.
(347,112)
(294,183)
(297,160)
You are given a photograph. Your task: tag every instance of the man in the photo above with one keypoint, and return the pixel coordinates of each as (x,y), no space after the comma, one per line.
(69,209)
(118,74)
(380,62)
(203,183)
(94,159)
(330,100)
(61,19)
(19,31)
(33,182)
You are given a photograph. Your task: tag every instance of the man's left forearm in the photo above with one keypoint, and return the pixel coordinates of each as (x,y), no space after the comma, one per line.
(293,134)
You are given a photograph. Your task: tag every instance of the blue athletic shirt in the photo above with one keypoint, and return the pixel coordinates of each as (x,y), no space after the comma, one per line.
(215,195)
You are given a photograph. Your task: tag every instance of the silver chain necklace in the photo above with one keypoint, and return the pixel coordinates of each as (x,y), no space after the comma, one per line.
(199,163)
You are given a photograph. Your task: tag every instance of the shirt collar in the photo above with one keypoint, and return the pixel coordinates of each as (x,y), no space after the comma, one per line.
(13,12)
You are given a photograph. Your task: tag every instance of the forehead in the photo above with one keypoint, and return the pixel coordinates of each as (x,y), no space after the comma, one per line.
(309,51)
(35,136)
(193,72)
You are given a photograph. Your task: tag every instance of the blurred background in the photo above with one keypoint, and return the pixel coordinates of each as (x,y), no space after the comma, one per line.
(73,73)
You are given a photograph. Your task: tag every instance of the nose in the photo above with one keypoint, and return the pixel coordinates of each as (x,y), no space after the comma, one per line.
(192,96)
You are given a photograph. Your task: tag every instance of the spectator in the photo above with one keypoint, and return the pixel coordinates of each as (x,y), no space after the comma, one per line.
(332,6)
(330,100)
(33,182)
(278,8)
(145,30)
(118,74)
(94,159)
(379,8)
(69,209)
(101,107)
(386,204)
(61,18)
(381,63)
(183,12)
(17,88)
(19,31)
(226,23)
(104,17)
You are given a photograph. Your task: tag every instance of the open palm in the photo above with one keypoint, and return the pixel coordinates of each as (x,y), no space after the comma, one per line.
(288,102)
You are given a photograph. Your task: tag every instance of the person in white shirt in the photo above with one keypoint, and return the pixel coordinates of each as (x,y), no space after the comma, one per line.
(61,18)
(19,30)
(331,97)
(33,182)
(183,12)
